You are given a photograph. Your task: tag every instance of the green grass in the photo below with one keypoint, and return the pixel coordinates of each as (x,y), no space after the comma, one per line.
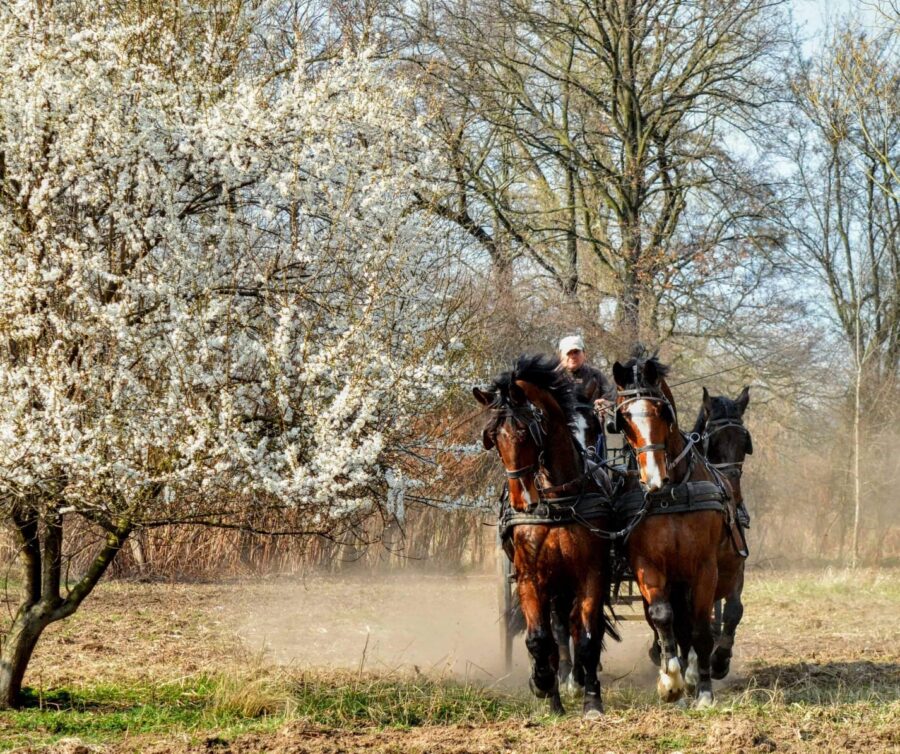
(385,702)
(227,705)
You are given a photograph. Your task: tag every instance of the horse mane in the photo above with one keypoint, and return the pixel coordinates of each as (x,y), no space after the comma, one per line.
(723,407)
(639,358)
(545,373)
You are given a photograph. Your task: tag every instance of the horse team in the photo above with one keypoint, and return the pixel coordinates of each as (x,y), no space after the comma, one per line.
(671,513)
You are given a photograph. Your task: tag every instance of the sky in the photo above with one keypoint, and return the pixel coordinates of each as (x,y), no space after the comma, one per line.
(813,15)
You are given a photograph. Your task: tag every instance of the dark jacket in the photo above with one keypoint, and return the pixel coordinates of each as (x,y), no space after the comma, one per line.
(590,384)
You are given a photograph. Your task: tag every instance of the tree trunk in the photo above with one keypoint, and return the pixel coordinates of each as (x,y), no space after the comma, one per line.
(40,555)
(629,308)
(137,553)
(854,546)
(18,647)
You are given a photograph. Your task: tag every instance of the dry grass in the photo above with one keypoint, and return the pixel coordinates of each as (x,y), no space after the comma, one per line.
(151,667)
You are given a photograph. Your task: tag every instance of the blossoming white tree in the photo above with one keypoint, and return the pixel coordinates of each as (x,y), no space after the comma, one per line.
(213,291)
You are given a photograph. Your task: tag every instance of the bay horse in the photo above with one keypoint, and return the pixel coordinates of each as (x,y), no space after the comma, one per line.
(726,443)
(673,547)
(555,500)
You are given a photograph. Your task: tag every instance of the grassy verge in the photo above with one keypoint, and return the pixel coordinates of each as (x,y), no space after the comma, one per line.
(228,705)
(210,710)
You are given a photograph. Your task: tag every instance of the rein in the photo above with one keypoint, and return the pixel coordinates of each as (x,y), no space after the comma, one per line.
(729,469)
(685,495)
(558,509)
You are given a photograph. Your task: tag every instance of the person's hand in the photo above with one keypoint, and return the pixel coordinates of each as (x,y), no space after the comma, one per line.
(601,405)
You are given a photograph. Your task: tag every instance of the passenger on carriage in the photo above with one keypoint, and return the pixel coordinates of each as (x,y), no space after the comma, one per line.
(595,392)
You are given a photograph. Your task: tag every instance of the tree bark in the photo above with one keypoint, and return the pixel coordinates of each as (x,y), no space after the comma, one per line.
(857,410)
(18,647)
(42,603)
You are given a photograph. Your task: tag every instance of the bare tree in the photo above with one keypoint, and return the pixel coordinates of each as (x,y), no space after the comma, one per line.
(844,146)
(608,143)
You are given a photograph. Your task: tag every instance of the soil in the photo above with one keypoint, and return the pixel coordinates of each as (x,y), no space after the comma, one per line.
(817,665)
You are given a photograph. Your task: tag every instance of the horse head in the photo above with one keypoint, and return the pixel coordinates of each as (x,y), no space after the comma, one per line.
(726,440)
(646,415)
(532,424)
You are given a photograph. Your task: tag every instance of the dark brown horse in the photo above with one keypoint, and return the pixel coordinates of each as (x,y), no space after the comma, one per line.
(726,442)
(555,501)
(674,547)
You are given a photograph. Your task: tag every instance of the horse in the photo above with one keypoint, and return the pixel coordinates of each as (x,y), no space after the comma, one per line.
(677,528)
(514,620)
(555,500)
(726,443)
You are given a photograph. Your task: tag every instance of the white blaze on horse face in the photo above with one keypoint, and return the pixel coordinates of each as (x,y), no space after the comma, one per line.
(640,415)
(580,430)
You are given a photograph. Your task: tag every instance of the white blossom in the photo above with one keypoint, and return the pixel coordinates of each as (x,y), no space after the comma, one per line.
(209,284)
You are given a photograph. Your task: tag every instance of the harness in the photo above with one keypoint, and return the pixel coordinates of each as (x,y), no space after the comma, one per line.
(626,510)
(731,470)
(686,496)
(553,508)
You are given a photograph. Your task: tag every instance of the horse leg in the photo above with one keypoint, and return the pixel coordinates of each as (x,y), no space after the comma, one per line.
(734,611)
(670,684)
(559,623)
(683,636)
(588,641)
(541,645)
(717,619)
(653,652)
(703,596)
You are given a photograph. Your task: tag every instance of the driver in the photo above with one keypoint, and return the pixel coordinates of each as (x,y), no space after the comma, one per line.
(591,386)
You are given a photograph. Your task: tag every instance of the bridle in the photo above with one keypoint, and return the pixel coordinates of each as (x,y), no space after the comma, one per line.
(557,503)
(729,469)
(633,395)
(532,417)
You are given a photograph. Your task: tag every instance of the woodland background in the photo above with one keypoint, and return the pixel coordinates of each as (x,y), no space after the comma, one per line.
(255,254)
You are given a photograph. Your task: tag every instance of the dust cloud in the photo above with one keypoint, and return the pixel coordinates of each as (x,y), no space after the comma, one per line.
(434,624)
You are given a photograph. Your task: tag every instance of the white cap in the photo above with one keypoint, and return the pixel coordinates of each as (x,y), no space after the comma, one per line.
(571,343)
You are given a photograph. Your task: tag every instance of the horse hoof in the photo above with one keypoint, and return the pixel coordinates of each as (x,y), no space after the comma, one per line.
(654,653)
(705,700)
(719,666)
(556,705)
(592,709)
(670,684)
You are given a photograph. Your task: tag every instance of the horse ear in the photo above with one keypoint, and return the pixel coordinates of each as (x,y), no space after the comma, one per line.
(707,402)
(484,397)
(651,373)
(487,440)
(620,375)
(743,399)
